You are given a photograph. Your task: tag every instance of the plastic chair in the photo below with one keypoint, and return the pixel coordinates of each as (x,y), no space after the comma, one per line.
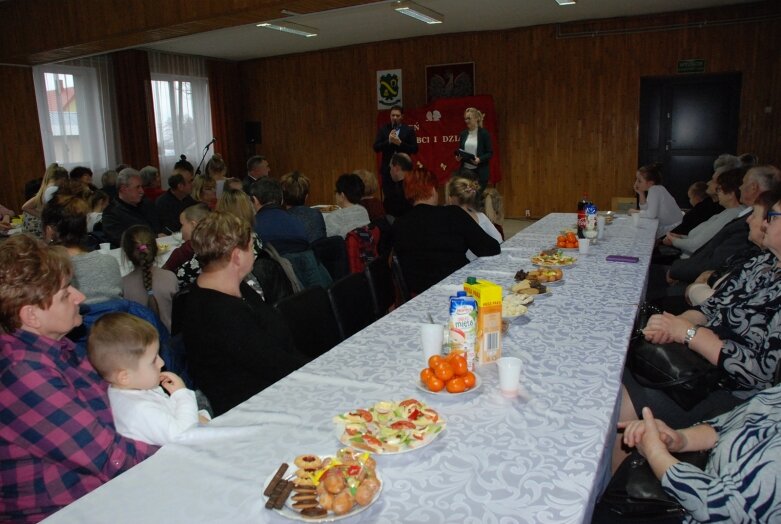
(361,245)
(332,253)
(378,273)
(311,320)
(352,303)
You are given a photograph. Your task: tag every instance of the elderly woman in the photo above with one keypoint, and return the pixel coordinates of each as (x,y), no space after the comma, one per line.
(736,329)
(740,480)
(57,435)
(150,179)
(237,345)
(350,215)
(295,190)
(432,241)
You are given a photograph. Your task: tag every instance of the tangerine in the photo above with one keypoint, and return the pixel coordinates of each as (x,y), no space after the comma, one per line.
(459,366)
(455,385)
(444,371)
(469,380)
(426,374)
(434,384)
(434,360)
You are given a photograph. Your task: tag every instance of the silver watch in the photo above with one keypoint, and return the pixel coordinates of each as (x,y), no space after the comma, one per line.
(690,334)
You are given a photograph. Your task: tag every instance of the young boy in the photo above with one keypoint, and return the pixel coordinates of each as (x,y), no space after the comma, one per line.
(123,349)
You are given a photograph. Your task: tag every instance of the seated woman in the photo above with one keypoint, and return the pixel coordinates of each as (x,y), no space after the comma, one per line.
(147,284)
(182,261)
(95,274)
(736,329)
(57,435)
(369,199)
(205,190)
(740,480)
(655,201)
(54,176)
(351,215)
(466,194)
(432,241)
(707,283)
(237,345)
(295,191)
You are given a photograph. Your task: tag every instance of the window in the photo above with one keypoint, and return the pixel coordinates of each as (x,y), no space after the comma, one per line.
(74,103)
(180,89)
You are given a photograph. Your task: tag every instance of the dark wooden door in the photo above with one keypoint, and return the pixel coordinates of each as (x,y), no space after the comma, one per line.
(685,123)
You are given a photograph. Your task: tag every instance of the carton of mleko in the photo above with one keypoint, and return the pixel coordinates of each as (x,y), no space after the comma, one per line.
(488,347)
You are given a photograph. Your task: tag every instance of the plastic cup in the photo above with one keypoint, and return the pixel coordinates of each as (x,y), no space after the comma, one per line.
(431,336)
(601,227)
(636,219)
(105,247)
(583,245)
(509,375)
(177,236)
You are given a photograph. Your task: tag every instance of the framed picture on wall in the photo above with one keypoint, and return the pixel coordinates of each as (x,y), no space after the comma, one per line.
(450,80)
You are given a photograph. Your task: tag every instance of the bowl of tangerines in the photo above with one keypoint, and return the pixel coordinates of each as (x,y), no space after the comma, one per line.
(567,240)
(448,375)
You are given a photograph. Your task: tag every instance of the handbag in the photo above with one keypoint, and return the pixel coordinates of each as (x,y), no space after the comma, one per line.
(684,375)
(635,493)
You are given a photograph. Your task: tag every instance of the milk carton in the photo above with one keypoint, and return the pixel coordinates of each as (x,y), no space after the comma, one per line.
(488,347)
(462,325)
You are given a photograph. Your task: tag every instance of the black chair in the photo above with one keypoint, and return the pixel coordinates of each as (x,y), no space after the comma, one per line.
(311,321)
(352,302)
(402,291)
(381,285)
(332,253)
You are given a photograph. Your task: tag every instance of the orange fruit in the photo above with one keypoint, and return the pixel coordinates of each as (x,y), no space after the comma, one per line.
(469,380)
(455,385)
(434,384)
(444,371)
(434,360)
(458,363)
(426,374)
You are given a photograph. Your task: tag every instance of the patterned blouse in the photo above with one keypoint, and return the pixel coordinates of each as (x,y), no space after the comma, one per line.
(745,312)
(741,480)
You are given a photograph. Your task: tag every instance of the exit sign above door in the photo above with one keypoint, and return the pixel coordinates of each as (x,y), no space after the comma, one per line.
(692,65)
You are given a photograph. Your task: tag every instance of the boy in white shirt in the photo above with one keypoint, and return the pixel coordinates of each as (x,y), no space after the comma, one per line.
(124,350)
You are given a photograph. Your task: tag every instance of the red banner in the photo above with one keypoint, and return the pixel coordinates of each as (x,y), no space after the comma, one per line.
(438,126)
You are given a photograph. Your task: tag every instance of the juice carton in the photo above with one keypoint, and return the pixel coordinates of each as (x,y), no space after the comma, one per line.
(489,319)
(462,327)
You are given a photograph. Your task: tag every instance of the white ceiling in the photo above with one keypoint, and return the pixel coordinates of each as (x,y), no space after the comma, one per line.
(378,22)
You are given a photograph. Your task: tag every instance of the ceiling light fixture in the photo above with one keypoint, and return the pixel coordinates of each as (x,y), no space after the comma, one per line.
(566,2)
(290,27)
(418,12)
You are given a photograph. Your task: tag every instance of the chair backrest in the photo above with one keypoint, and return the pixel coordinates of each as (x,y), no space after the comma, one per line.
(272,277)
(378,272)
(308,269)
(362,243)
(332,253)
(400,285)
(385,246)
(311,320)
(352,302)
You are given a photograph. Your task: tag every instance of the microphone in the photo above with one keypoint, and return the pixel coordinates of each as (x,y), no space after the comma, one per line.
(210,143)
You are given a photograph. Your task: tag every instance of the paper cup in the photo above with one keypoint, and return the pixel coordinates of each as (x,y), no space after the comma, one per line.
(583,245)
(431,336)
(600,227)
(636,219)
(105,247)
(509,375)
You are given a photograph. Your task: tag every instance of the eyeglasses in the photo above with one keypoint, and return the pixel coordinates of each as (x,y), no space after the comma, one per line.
(771,215)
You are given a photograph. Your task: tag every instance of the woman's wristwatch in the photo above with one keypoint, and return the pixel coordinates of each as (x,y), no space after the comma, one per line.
(690,334)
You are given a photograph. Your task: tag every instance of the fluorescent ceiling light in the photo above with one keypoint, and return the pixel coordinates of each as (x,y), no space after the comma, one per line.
(418,12)
(290,27)
(566,2)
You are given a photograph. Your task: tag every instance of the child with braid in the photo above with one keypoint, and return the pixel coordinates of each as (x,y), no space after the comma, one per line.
(148,284)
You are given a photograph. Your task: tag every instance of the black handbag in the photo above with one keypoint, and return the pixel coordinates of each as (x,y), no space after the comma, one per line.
(684,375)
(635,493)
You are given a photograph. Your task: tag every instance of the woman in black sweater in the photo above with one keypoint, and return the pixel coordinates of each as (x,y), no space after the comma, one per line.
(432,241)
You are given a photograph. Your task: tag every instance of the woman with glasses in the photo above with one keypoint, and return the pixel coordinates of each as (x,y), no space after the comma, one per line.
(738,329)
(474,147)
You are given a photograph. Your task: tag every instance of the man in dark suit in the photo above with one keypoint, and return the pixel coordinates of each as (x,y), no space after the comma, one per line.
(130,208)
(257,168)
(394,137)
(170,204)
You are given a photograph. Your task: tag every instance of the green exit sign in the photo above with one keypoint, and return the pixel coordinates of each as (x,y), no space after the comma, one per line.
(693,65)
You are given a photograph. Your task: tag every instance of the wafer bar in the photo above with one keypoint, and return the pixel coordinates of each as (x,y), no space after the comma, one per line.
(274,481)
(276,492)
(282,497)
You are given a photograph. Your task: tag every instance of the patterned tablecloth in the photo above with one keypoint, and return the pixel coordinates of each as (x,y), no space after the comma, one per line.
(537,458)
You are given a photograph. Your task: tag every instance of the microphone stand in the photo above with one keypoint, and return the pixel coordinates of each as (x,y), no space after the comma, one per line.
(205,150)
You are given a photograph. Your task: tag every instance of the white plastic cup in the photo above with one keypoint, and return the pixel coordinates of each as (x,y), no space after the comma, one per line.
(600,227)
(583,245)
(431,336)
(177,236)
(509,375)
(636,219)
(105,247)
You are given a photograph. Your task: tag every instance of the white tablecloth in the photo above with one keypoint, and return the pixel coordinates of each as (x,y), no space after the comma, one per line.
(537,458)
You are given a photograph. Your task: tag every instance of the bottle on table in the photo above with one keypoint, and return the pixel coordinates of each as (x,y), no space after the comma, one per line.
(462,334)
(582,215)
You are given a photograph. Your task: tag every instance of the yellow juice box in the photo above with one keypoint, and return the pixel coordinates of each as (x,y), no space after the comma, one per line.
(488,347)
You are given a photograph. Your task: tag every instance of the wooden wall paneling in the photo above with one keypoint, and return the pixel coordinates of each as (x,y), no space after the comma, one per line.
(135,109)
(21,149)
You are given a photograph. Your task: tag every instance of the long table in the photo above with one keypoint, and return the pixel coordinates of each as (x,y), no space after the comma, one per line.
(540,457)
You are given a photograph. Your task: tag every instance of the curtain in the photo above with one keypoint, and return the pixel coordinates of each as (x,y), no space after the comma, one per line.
(76,110)
(135,112)
(180,90)
(226,115)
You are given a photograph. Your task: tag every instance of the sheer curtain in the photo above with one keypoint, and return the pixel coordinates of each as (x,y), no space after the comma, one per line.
(76,113)
(180,88)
